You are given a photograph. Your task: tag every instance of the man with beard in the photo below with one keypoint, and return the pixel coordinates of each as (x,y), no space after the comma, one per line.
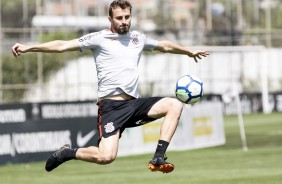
(116,53)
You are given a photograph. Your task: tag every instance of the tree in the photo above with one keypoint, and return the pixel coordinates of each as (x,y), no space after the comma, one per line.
(16,71)
(13,13)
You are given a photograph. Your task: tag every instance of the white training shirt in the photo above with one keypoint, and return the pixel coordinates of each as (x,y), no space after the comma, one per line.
(117,57)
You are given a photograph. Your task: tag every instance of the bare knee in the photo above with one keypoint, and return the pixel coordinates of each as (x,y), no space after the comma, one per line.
(175,106)
(166,106)
(106,159)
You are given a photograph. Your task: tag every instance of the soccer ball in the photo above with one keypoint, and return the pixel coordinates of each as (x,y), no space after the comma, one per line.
(189,89)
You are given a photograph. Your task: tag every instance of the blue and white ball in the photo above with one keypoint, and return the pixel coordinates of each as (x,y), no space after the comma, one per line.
(189,89)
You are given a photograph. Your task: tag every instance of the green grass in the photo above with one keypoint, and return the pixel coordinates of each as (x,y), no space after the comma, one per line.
(227,164)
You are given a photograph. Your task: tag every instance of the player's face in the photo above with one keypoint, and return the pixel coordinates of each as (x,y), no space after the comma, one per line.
(121,20)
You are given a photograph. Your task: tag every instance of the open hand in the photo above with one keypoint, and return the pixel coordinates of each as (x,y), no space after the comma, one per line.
(198,55)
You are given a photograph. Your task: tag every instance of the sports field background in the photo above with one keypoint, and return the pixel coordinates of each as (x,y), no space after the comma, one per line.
(227,164)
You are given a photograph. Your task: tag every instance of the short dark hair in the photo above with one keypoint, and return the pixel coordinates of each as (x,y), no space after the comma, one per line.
(123,4)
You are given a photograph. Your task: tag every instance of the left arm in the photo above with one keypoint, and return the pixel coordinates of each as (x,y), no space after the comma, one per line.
(170,47)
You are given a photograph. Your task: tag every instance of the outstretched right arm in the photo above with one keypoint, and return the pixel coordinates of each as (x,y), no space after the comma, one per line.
(56,46)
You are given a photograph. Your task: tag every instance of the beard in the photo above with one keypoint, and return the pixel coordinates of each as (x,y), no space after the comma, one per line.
(123,29)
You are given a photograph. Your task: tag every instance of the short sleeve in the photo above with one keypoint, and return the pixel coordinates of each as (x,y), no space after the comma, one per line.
(89,41)
(150,44)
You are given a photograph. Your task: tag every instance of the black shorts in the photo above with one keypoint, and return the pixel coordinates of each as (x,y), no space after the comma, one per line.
(120,114)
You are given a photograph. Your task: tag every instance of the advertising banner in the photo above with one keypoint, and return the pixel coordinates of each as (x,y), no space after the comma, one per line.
(201,125)
(15,113)
(36,140)
(33,131)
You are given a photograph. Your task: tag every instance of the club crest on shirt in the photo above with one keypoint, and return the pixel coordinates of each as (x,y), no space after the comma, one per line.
(135,39)
(109,127)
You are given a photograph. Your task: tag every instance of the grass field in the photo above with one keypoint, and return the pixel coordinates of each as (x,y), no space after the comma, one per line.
(227,164)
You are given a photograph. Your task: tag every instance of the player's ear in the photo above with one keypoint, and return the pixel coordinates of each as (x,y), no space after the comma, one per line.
(110,19)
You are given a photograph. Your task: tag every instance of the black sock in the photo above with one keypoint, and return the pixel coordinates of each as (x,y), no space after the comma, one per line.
(161,148)
(70,154)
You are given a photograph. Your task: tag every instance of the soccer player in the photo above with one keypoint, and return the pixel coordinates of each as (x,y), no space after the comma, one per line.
(116,52)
